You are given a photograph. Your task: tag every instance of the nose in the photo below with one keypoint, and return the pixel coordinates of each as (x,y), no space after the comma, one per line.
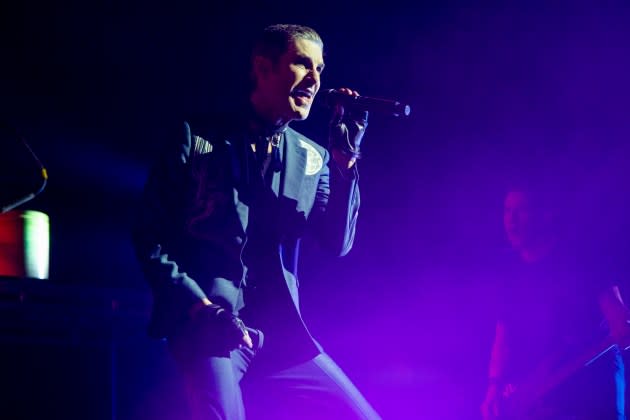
(315,77)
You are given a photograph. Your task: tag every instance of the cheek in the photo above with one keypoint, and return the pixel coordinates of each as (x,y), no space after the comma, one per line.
(298,73)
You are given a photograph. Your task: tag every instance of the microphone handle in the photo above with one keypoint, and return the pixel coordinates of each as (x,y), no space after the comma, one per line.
(385,106)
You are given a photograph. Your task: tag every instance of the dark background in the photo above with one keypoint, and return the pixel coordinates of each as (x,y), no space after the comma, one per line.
(496,88)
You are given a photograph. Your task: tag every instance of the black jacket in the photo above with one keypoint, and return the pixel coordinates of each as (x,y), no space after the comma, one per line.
(207,226)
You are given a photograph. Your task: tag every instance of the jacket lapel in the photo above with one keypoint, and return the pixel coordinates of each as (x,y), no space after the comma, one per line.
(294,167)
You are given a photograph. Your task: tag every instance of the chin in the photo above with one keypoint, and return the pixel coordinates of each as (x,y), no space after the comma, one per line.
(300,114)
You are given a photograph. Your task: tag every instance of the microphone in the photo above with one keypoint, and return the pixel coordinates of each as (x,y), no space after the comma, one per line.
(333,97)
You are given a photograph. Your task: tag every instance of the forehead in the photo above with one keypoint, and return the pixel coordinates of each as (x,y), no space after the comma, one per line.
(516,199)
(301,47)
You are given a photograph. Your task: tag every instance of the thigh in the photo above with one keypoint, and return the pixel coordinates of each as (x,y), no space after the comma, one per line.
(317,389)
(213,389)
(212,380)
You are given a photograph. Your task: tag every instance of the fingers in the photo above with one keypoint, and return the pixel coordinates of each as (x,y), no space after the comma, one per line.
(247,340)
(339,109)
(224,327)
(348,91)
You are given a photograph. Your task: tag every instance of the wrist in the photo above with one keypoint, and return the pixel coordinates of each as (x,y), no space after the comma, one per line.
(345,159)
(198,306)
(351,152)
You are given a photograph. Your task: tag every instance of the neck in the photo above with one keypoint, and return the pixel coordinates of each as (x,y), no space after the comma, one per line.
(261,121)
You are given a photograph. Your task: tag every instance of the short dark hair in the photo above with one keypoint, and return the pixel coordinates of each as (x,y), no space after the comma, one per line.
(274,40)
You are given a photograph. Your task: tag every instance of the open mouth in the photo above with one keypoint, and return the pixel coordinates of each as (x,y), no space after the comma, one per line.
(305,96)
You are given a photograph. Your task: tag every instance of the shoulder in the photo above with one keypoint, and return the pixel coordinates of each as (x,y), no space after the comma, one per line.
(213,128)
(208,134)
(201,141)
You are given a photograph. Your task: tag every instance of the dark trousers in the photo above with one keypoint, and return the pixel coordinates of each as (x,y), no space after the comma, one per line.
(222,386)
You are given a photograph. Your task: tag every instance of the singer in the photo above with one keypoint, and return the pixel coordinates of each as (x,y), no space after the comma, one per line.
(218,234)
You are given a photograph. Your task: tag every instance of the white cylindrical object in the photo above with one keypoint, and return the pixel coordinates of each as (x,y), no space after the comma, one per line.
(25,244)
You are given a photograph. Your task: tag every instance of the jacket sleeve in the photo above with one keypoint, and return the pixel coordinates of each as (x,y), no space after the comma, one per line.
(336,207)
(157,216)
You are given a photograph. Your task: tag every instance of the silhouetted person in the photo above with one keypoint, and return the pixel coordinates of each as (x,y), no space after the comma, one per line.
(553,304)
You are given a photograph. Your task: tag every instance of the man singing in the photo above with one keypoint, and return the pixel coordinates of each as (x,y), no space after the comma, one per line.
(218,238)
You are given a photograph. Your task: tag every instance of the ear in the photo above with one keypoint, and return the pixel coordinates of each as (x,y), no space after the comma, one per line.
(261,67)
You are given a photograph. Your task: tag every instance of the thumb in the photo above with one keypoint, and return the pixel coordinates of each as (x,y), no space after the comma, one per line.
(247,340)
